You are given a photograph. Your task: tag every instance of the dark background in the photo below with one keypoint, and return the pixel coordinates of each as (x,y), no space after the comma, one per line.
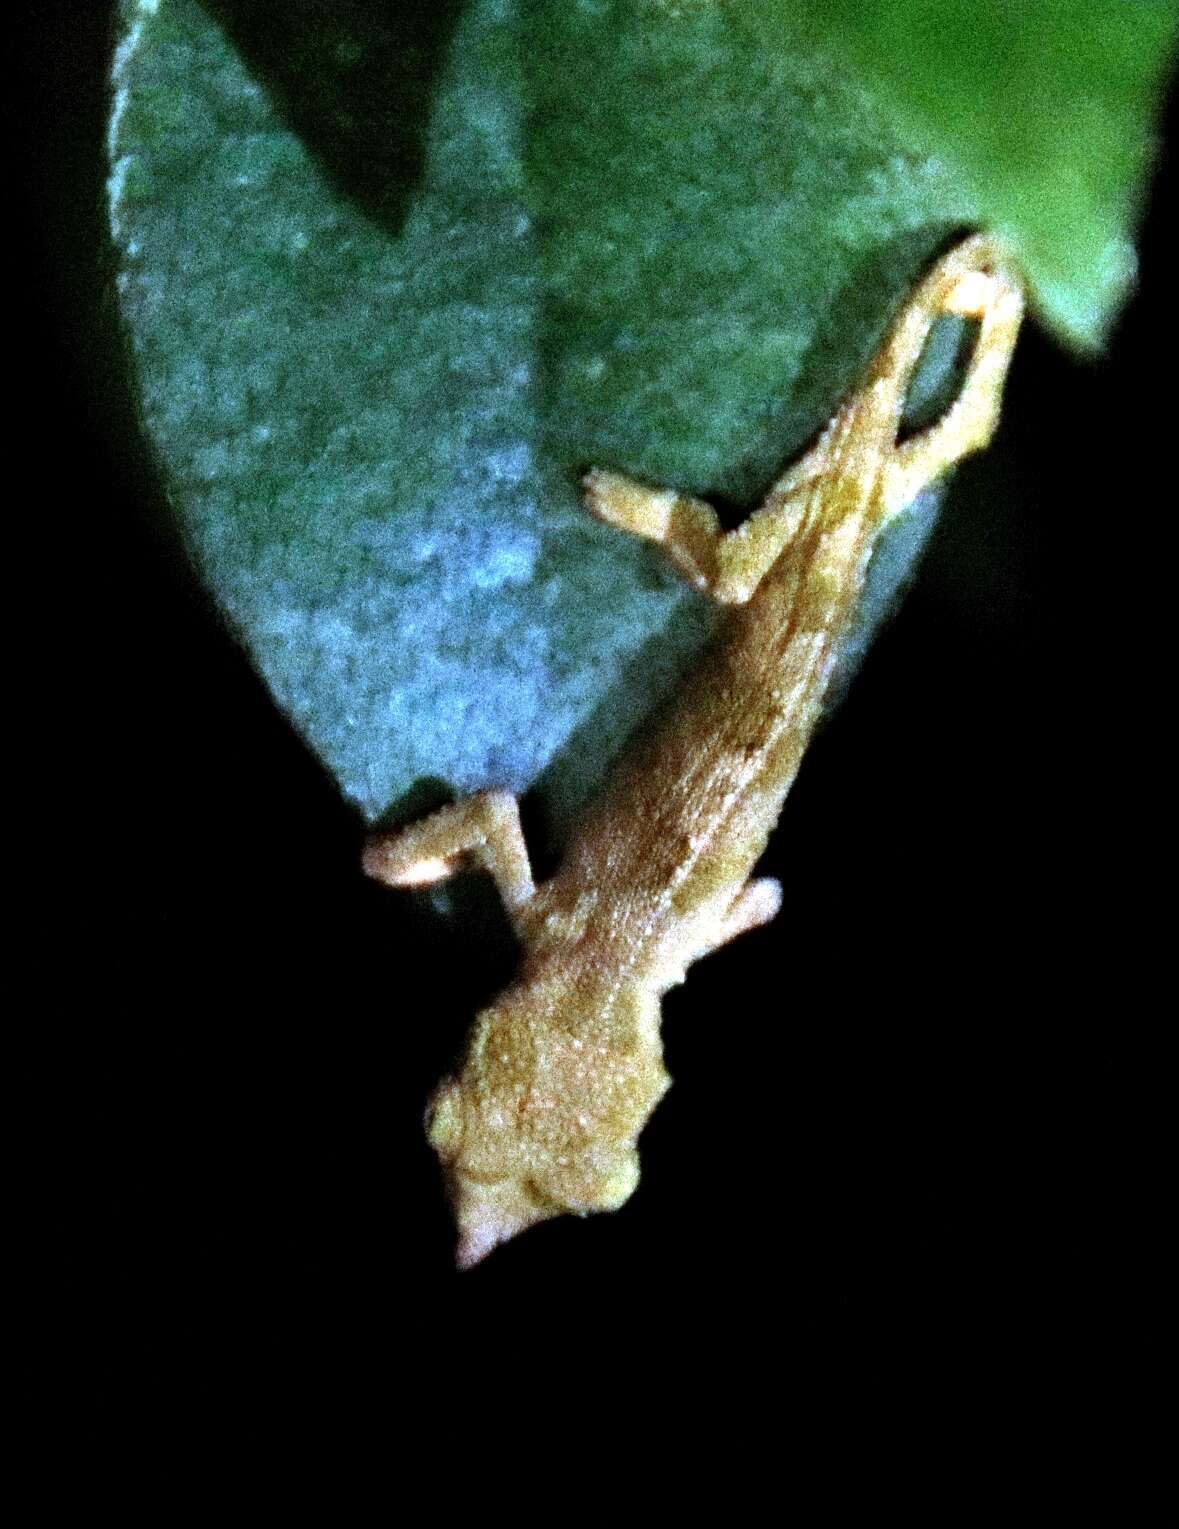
(890,1108)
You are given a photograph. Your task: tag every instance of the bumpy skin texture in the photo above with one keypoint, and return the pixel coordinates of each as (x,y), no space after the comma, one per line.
(564,1069)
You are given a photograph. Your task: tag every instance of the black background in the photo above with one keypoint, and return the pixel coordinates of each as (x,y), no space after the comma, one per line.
(890,1108)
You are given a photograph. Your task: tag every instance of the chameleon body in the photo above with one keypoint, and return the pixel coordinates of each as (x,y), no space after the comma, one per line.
(563,1070)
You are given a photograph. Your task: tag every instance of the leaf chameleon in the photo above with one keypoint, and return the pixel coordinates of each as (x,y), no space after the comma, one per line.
(564,1068)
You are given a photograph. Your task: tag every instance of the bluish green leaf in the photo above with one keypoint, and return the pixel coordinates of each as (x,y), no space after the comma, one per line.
(392,282)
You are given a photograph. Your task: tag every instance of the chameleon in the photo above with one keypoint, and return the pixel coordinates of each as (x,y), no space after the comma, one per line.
(563,1069)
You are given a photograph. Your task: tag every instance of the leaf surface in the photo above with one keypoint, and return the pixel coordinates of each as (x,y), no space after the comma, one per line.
(1047,110)
(392,283)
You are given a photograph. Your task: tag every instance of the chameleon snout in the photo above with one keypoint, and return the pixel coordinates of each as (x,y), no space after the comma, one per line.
(490,1213)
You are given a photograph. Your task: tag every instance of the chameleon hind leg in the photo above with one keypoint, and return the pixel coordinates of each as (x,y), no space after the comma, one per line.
(484,827)
(726,565)
(860,443)
(685,527)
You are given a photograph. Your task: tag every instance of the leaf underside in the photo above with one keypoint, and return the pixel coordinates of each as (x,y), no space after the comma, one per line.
(392,283)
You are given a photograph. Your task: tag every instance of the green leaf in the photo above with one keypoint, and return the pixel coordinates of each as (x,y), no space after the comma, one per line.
(391,283)
(1046,109)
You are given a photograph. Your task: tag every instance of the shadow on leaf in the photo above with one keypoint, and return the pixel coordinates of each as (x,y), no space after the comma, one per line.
(355,80)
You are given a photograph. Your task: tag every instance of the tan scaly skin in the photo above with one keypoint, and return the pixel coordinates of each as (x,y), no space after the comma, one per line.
(565,1067)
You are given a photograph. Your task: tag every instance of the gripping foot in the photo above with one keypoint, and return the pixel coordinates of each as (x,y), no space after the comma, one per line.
(484,827)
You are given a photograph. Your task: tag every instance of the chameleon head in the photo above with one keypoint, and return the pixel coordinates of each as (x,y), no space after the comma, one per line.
(489,1205)
(495,1195)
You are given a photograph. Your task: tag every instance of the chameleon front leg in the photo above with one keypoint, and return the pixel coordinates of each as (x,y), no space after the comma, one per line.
(758,902)
(485,827)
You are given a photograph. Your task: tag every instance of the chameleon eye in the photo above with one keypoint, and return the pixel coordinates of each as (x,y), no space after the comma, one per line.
(621,1184)
(538,1196)
(444,1119)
